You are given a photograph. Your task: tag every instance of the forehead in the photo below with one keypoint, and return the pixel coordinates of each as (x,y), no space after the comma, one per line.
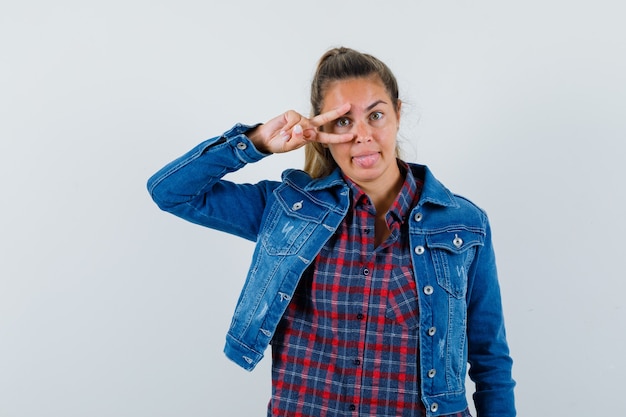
(356,91)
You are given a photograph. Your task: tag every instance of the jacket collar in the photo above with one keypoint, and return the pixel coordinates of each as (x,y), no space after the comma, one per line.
(433,192)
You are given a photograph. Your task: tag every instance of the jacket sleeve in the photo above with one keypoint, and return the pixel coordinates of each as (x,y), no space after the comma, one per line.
(191,186)
(488,351)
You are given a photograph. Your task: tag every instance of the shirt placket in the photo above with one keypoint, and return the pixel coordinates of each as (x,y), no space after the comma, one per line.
(364,245)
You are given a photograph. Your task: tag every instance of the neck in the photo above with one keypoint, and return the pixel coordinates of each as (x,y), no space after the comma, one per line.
(383,197)
(384,193)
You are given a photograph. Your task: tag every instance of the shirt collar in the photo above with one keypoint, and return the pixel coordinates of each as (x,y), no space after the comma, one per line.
(433,191)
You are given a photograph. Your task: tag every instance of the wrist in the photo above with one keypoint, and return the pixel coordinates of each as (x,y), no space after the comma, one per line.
(256,137)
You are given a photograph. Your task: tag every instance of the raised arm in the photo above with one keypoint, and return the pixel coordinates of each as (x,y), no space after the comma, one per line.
(191,186)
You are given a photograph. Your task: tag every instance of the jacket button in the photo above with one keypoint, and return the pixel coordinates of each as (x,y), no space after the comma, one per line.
(434,407)
(428,290)
(296,206)
(418,217)
(241,146)
(419,250)
(432,331)
(432,373)
(458,242)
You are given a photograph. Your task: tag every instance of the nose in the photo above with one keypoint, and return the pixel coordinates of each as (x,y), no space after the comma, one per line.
(362,132)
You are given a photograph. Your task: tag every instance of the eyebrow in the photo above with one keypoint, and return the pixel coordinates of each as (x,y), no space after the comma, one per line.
(374,104)
(371,106)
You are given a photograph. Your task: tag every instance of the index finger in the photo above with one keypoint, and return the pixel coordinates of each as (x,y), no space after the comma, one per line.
(329,116)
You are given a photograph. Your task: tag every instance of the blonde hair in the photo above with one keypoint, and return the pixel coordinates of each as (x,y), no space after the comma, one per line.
(340,64)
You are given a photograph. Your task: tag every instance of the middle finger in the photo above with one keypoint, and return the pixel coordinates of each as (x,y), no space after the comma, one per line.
(329,116)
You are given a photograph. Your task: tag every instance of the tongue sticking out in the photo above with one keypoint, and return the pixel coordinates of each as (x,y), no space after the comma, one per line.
(366,161)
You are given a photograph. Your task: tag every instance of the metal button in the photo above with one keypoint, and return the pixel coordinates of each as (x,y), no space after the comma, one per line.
(432,331)
(419,250)
(434,407)
(432,373)
(428,290)
(297,206)
(366,271)
(418,217)
(457,241)
(241,146)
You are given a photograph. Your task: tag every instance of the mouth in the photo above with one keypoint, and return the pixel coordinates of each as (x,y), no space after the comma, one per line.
(366,160)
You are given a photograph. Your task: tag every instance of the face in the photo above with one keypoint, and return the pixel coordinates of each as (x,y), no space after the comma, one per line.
(370,158)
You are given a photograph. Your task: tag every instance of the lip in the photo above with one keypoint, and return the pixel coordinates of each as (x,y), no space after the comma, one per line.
(365,154)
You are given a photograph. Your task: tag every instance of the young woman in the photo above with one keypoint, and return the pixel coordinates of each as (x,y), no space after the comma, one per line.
(374,284)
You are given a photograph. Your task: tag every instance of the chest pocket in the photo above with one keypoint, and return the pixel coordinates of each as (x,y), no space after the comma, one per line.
(402,305)
(291,221)
(453,252)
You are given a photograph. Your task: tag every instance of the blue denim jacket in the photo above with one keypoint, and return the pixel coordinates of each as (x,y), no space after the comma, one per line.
(460,312)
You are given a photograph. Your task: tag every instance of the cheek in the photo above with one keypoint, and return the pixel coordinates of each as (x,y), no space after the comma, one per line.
(390,136)
(340,152)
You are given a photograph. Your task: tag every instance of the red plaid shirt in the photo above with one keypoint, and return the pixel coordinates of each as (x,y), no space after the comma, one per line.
(348,342)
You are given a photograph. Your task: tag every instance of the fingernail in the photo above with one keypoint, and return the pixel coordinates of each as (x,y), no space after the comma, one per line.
(297,129)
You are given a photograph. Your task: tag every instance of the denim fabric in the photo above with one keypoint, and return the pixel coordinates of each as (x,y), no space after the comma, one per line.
(460,312)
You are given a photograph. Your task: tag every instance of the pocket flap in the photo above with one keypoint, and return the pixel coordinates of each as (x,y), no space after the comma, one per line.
(299,204)
(455,240)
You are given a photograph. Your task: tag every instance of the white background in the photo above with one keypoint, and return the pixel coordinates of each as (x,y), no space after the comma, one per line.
(109,307)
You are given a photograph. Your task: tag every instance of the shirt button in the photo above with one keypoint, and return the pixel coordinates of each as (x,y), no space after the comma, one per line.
(357,362)
(418,217)
(352,407)
(241,146)
(360,316)
(366,271)
(432,373)
(432,331)
(434,407)
(419,250)
(428,290)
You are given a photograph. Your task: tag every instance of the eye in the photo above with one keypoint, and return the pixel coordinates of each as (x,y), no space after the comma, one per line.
(377,115)
(342,122)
